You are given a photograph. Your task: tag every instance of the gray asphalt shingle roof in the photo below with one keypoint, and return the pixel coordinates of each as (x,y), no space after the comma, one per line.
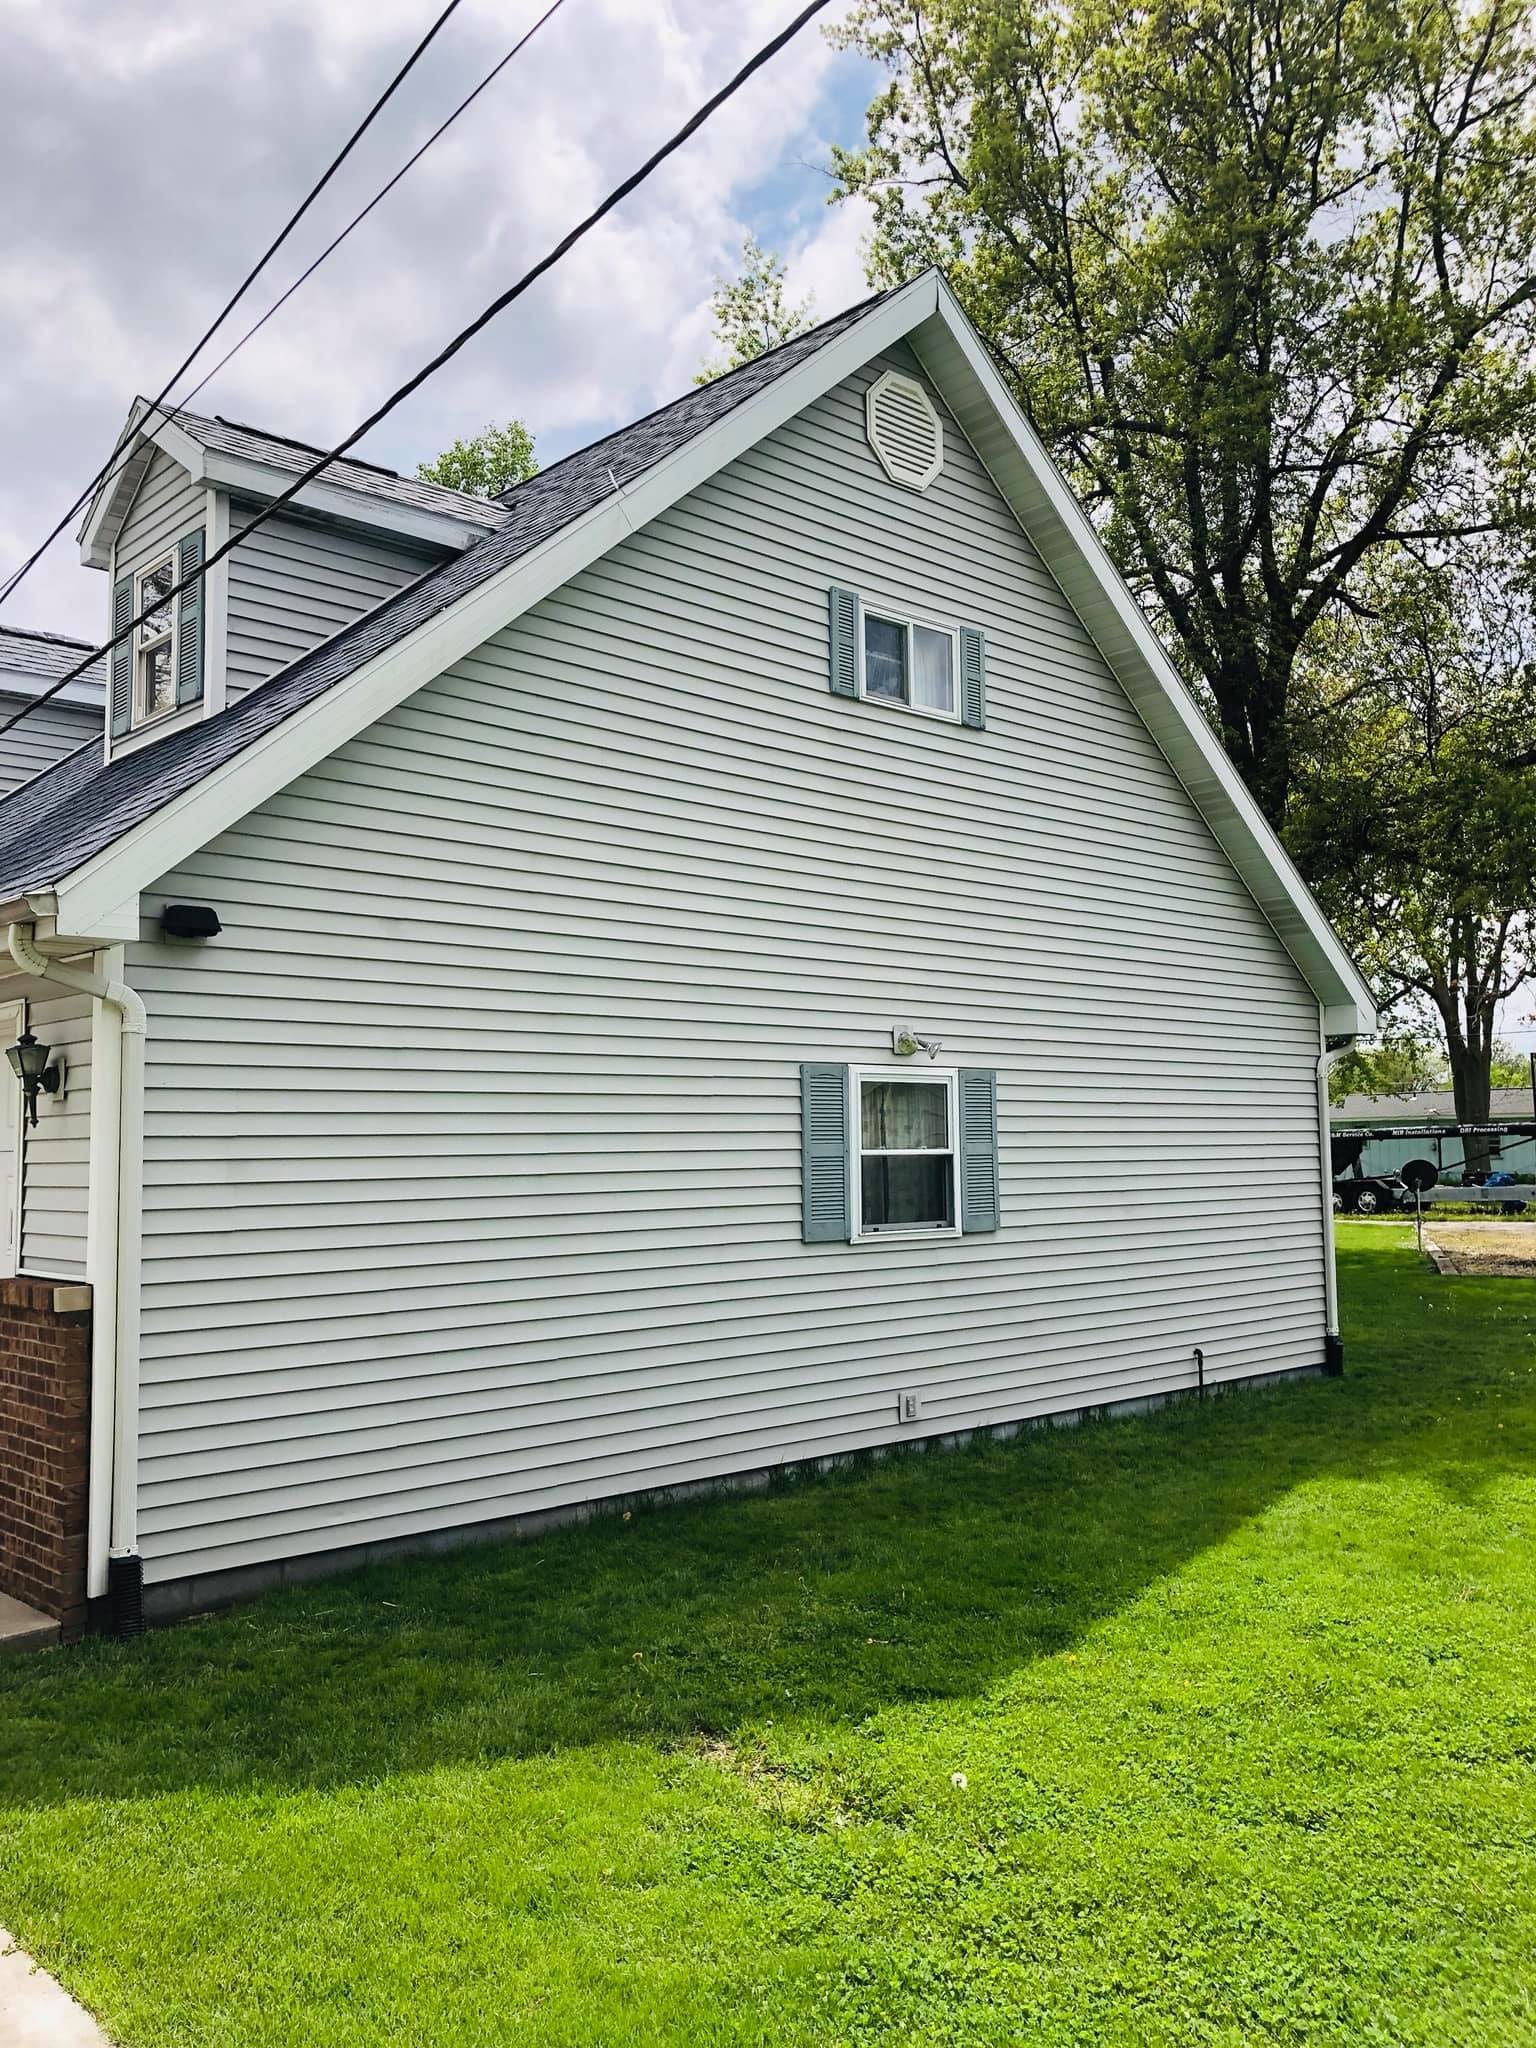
(29,661)
(72,811)
(230,437)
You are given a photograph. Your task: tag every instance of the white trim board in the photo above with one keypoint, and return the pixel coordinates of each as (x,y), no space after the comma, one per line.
(927,314)
(350,504)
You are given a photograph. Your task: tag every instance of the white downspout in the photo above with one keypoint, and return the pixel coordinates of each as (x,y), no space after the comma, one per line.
(118,1092)
(1333,1342)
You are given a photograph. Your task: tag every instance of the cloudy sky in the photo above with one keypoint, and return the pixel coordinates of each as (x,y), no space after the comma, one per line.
(152,151)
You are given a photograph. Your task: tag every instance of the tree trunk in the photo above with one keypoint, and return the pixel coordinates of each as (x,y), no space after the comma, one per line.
(1471,1060)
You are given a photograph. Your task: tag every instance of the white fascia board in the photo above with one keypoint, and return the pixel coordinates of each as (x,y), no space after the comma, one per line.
(250,479)
(104,520)
(80,694)
(231,791)
(111,927)
(1061,531)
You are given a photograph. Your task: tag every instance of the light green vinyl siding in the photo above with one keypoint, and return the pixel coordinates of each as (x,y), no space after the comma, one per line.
(473,1144)
(293,584)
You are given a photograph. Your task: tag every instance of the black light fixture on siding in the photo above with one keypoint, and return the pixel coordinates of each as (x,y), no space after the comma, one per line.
(34,1070)
(190,921)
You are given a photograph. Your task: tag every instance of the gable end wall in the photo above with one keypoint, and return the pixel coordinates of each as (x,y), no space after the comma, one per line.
(472,1152)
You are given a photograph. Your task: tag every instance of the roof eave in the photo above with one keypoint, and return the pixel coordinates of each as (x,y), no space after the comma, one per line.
(351,506)
(926,313)
(142,433)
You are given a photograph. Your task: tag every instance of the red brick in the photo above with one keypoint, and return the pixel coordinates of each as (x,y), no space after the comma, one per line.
(44,1446)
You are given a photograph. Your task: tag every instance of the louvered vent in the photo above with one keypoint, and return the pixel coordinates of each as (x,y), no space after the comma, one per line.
(904,430)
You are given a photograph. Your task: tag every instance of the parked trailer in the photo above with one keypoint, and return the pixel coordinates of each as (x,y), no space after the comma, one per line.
(1372,1194)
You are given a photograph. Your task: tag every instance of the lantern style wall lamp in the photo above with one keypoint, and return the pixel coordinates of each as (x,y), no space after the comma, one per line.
(37,1073)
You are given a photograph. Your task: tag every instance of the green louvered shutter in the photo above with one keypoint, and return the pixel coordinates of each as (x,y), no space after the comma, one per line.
(978,1149)
(122,657)
(824,1153)
(189,620)
(973,676)
(843,677)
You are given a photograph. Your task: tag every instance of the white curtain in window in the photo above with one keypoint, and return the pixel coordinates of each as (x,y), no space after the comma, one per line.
(904,1116)
(933,678)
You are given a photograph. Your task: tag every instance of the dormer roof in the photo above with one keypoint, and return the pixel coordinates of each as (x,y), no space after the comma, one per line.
(253,462)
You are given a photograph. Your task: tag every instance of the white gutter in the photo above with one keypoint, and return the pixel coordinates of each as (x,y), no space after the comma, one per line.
(117,1117)
(1333,1341)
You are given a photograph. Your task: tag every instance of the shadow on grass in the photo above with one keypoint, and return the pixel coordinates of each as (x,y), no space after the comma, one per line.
(926,1576)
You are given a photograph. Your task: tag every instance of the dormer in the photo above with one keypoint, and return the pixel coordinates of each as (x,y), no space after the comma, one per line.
(182,483)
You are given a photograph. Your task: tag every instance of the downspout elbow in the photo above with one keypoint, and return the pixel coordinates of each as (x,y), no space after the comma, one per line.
(22,945)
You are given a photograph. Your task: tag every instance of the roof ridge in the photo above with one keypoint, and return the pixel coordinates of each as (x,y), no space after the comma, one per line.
(39,633)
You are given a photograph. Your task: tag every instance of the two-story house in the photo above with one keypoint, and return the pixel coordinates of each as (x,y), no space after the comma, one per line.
(595,992)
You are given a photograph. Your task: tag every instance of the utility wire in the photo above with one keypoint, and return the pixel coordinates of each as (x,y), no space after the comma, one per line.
(445,354)
(157,404)
(383,193)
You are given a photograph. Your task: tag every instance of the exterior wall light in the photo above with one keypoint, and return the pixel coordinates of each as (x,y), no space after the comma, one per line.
(905,1042)
(35,1071)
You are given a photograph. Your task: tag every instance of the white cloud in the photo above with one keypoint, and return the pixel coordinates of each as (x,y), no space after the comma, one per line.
(141,225)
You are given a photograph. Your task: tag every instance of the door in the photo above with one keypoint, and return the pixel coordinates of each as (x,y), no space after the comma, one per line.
(12,1023)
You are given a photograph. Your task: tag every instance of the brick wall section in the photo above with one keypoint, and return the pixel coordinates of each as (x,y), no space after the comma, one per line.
(45,1390)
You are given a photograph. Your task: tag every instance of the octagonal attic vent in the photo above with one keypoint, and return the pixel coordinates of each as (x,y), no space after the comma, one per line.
(904,430)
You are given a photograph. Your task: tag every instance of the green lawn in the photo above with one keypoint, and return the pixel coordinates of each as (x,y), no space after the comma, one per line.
(1217,1726)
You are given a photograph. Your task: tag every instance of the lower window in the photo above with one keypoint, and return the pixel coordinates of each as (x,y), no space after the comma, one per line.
(905,1132)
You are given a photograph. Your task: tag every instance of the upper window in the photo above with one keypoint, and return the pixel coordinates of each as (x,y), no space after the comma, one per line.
(155,654)
(904,1177)
(157,639)
(906,662)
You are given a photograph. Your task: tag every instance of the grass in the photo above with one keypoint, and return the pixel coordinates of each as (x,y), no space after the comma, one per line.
(1212,1727)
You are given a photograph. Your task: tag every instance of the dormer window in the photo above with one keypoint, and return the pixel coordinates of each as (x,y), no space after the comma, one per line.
(157,663)
(155,666)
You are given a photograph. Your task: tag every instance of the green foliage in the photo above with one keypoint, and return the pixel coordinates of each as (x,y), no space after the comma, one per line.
(751,312)
(1263,276)
(1509,1068)
(1406,1064)
(489,463)
(1416,812)
(1400,1065)
(1239,1695)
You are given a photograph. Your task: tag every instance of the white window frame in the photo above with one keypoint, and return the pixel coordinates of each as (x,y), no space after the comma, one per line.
(897,615)
(141,714)
(949,1078)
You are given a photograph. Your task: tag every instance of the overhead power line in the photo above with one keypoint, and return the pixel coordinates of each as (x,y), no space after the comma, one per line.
(450,349)
(383,193)
(157,404)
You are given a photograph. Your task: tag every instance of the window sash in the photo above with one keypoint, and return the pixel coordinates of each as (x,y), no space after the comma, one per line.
(948,1154)
(149,644)
(909,624)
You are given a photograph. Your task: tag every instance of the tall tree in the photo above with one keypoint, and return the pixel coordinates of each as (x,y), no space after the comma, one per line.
(1416,807)
(1263,276)
(485,465)
(751,312)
